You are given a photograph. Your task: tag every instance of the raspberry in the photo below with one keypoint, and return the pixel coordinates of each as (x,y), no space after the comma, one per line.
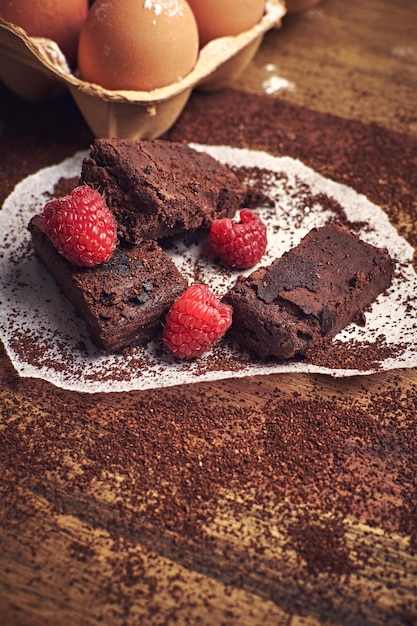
(239,244)
(81,227)
(196,321)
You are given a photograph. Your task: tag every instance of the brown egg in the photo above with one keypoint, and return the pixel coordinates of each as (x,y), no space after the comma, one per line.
(59,20)
(137,44)
(221,18)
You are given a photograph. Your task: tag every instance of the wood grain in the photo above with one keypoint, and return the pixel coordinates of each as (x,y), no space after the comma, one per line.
(357,60)
(112,512)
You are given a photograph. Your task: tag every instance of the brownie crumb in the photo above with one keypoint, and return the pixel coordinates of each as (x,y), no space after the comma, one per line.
(259,485)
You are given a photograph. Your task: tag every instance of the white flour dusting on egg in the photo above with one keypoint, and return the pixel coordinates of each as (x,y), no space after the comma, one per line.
(169,7)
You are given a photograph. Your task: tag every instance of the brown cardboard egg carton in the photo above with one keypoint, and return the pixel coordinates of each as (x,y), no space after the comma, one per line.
(35,68)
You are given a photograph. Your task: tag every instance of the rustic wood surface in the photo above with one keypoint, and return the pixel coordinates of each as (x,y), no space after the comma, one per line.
(81,539)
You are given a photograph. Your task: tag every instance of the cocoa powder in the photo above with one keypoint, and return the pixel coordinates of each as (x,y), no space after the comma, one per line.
(341,450)
(378,163)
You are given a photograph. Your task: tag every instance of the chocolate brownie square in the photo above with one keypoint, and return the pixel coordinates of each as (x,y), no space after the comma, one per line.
(307,296)
(157,189)
(123,301)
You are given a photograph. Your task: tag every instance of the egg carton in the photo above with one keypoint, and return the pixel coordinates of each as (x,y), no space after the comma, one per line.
(35,69)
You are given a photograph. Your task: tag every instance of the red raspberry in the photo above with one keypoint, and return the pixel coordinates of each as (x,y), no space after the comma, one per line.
(196,321)
(81,227)
(239,244)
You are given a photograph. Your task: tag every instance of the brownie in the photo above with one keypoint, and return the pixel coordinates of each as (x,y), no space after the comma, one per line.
(307,296)
(122,301)
(158,188)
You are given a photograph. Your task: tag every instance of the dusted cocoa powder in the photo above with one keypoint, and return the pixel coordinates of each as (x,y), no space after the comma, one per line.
(380,164)
(261,484)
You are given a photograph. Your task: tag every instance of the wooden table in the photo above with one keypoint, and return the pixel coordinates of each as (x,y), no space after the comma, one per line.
(286,499)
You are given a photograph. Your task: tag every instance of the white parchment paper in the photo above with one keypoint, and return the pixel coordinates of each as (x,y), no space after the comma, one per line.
(44,338)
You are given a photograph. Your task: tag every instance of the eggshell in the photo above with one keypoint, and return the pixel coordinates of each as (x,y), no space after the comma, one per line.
(137,45)
(32,67)
(59,20)
(223,18)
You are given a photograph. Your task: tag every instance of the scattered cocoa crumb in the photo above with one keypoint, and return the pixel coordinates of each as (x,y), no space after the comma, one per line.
(174,460)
